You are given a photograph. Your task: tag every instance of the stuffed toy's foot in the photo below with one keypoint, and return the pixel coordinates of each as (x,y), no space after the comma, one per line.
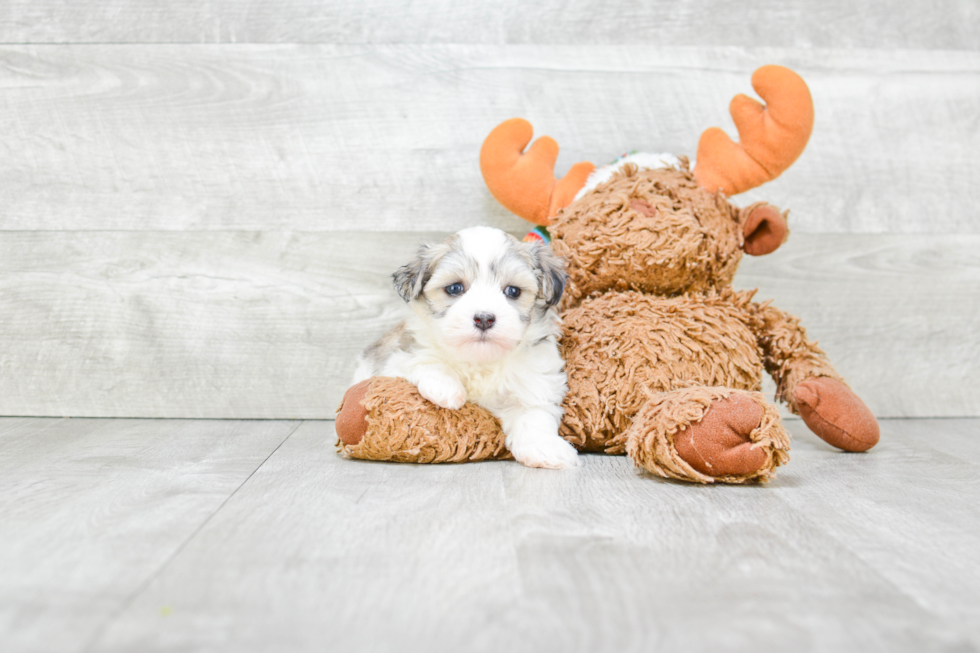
(708,435)
(836,414)
(351,424)
(387,419)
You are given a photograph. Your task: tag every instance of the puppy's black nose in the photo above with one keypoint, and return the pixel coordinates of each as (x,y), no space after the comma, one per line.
(484,321)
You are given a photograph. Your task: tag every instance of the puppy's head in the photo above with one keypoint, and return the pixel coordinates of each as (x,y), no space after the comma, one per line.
(481,290)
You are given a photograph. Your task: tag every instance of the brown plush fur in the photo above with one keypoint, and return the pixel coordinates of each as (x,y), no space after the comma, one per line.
(682,240)
(619,346)
(650,441)
(403,427)
(787,354)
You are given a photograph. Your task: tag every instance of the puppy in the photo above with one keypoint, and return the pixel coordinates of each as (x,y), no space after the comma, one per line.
(484,329)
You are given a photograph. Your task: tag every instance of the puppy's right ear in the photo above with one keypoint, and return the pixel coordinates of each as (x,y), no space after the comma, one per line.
(410,279)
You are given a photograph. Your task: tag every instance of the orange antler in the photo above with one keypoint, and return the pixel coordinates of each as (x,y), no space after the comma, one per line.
(772,136)
(524,182)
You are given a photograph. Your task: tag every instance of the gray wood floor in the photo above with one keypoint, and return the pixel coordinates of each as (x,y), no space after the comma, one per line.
(197,535)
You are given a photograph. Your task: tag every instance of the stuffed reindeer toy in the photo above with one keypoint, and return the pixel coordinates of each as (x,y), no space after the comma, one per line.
(664,359)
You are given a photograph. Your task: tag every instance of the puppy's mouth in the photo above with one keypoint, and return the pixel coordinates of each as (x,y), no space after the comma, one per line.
(485,339)
(483,346)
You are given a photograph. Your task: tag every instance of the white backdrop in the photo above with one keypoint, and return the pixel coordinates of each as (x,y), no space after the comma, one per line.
(200,206)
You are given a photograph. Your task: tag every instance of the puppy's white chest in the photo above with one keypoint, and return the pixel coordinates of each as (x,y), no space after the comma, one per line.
(485,385)
(532,379)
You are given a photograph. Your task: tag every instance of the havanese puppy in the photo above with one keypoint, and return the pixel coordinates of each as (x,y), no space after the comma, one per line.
(484,328)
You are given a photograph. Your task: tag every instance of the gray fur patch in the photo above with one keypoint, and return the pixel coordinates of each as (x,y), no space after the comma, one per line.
(410,279)
(398,339)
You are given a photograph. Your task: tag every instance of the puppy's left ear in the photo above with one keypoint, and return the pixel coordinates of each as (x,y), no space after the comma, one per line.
(552,273)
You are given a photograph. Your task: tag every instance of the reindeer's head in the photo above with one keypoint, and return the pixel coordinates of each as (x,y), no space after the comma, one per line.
(665,231)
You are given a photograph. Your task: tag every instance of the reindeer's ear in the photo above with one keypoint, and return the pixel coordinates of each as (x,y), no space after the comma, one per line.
(764,228)
(410,279)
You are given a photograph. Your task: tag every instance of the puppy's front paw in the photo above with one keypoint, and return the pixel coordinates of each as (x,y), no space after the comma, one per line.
(544,450)
(442,390)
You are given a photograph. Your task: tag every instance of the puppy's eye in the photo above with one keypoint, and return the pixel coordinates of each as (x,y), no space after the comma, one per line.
(512,291)
(454,289)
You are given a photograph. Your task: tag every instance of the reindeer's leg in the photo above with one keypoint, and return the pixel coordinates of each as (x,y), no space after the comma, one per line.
(809,385)
(384,418)
(707,435)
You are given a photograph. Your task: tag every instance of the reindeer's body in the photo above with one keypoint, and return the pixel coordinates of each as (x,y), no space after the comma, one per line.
(665,356)
(620,347)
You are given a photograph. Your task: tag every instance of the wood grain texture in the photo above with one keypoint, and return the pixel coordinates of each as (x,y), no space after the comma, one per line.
(918,493)
(950,24)
(267,325)
(215,324)
(90,510)
(386,137)
(841,552)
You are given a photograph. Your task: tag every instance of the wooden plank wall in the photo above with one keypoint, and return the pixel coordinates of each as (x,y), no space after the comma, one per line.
(200,204)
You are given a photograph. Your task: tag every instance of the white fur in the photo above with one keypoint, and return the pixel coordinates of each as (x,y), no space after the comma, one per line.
(514,369)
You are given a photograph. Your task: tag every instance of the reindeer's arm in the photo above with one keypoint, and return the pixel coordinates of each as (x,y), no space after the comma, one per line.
(787,354)
(809,384)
